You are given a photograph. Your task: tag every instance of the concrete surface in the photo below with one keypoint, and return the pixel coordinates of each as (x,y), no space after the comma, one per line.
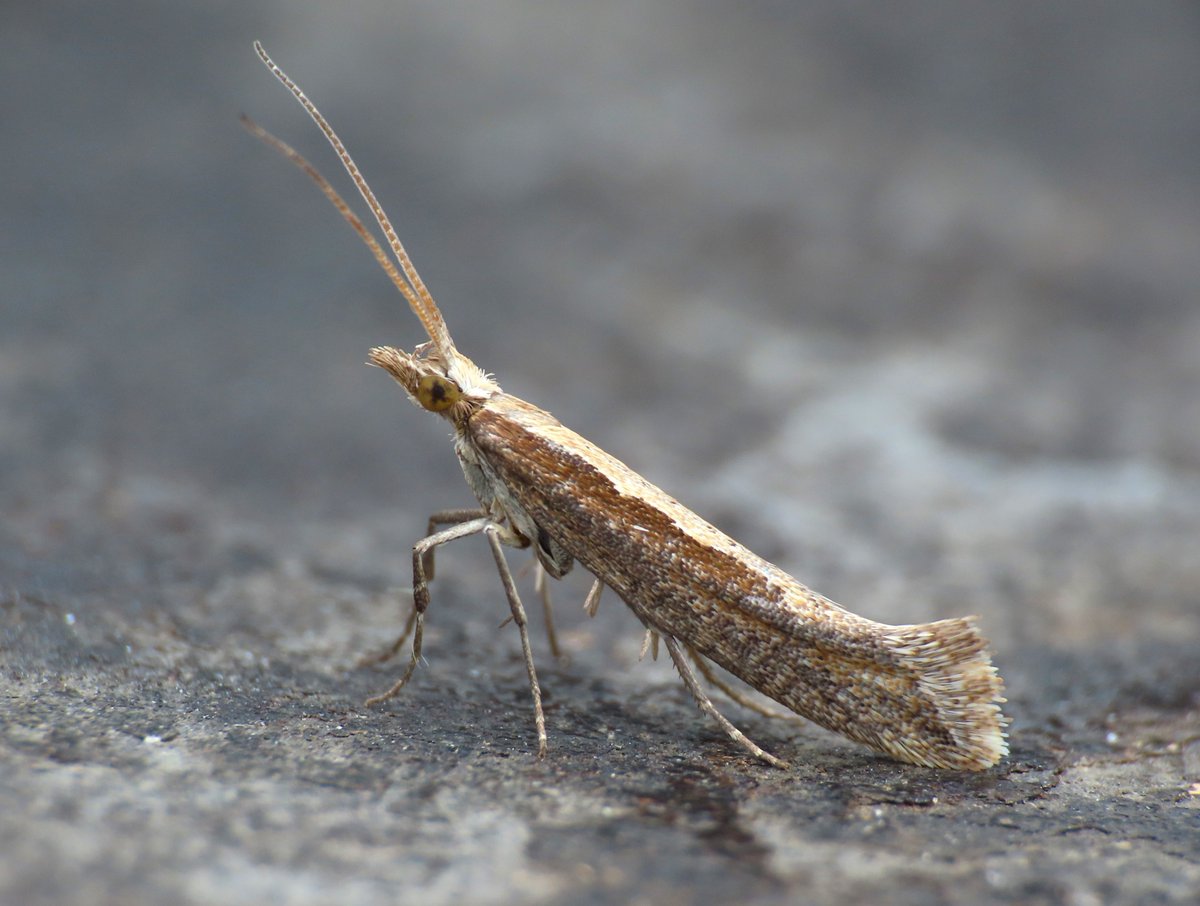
(904,298)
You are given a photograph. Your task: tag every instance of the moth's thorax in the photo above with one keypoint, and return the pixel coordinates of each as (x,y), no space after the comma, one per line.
(495,494)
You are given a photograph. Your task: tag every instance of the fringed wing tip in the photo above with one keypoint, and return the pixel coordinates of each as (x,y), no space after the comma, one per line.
(962,692)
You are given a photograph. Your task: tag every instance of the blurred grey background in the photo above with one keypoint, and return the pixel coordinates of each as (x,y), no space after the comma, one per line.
(902,296)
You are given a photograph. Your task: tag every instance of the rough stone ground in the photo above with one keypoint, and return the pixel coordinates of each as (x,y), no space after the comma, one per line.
(905,300)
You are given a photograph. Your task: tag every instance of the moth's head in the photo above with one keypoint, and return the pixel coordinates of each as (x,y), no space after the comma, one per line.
(451,388)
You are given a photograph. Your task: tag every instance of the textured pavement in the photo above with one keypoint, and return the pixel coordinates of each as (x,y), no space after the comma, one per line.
(906,302)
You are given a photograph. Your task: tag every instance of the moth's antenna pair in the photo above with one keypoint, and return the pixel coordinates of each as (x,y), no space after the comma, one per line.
(406,278)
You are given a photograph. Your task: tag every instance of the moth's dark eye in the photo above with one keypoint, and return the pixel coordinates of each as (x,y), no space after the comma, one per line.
(437,394)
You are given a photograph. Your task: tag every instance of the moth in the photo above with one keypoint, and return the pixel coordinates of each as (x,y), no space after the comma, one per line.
(925,694)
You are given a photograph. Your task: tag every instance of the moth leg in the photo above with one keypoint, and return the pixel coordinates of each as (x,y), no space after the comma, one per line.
(592,602)
(492,532)
(706,705)
(441,517)
(649,645)
(447,517)
(542,587)
(370,660)
(733,694)
(421,596)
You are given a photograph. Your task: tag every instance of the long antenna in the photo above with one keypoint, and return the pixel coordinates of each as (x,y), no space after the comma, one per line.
(410,285)
(389,266)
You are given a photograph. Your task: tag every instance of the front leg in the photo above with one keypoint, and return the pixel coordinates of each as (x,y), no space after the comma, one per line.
(441,517)
(421,598)
(497,535)
(447,517)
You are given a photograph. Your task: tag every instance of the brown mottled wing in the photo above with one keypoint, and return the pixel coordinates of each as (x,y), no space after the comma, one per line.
(922,693)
